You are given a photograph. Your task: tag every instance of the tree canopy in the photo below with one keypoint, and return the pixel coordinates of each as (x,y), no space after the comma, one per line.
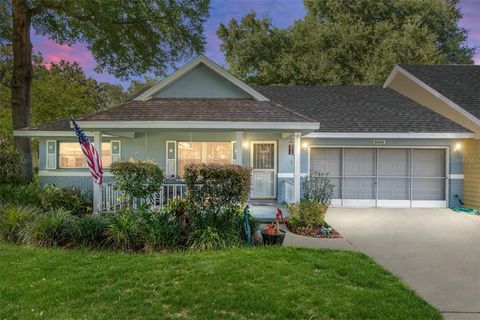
(345,42)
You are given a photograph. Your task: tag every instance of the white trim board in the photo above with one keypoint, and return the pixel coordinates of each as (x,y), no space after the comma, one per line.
(390,135)
(456,176)
(199,125)
(45,173)
(188,67)
(290,175)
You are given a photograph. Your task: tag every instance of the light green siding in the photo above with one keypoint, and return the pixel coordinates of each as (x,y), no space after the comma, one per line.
(202,82)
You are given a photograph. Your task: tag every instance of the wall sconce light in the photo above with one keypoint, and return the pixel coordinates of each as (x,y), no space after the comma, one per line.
(305,145)
(245,145)
(458,146)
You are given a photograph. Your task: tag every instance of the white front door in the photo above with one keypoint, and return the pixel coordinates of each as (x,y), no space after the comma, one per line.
(263,159)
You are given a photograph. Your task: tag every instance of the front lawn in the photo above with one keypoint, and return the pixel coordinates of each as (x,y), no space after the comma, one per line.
(249,283)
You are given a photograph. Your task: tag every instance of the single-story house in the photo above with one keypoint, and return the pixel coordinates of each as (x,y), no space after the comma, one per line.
(454,92)
(379,148)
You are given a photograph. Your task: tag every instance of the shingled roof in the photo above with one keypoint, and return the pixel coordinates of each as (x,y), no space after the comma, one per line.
(360,109)
(458,83)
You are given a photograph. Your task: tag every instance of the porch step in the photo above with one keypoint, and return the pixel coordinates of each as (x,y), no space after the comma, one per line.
(271,203)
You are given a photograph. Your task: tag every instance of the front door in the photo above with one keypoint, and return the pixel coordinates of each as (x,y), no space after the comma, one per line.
(263,158)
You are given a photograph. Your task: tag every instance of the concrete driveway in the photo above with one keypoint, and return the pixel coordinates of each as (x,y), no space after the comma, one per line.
(435,251)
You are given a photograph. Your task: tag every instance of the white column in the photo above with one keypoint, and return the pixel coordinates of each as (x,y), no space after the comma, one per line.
(239,147)
(296,165)
(97,189)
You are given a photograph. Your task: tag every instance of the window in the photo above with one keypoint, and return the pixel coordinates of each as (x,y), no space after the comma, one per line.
(203,152)
(71,155)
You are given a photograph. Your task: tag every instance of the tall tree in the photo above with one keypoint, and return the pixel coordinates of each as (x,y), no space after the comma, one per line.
(345,41)
(127,37)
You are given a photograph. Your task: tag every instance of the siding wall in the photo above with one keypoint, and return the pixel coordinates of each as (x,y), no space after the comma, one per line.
(151,145)
(472,173)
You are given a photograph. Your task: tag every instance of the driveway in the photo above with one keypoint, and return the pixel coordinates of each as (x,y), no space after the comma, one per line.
(435,251)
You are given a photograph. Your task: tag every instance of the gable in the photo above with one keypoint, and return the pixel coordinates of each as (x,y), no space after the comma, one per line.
(201,78)
(202,82)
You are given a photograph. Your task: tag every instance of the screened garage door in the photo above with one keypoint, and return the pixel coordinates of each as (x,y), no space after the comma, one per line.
(384,177)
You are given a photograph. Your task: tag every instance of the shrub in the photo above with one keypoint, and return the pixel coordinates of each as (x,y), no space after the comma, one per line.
(27,195)
(13,220)
(160,230)
(124,232)
(10,171)
(305,214)
(136,178)
(52,198)
(91,231)
(318,188)
(52,228)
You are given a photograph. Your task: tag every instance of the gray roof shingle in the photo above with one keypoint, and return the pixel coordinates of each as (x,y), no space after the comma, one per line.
(359,109)
(161,109)
(459,83)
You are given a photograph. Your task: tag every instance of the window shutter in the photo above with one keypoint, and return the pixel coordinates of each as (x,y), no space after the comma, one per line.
(171,157)
(51,154)
(116,150)
(234,152)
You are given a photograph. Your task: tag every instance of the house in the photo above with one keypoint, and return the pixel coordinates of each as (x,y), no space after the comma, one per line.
(380,148)
(454,92)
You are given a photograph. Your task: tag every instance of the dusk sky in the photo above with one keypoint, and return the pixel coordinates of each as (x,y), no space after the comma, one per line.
(282,12)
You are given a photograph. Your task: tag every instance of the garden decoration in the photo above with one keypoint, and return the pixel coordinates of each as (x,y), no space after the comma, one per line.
(247,230)
(272,233)
(279,216)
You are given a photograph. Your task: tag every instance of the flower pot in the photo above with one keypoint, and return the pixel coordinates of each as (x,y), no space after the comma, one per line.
(276,238)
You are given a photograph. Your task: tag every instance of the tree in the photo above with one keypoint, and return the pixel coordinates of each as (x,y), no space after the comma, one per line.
(126,38)
(58,91)
(345,42)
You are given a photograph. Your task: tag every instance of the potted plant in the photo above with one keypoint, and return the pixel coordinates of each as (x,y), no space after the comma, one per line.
(272,233)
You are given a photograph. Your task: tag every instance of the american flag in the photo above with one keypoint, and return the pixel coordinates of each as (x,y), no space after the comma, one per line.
(94,161)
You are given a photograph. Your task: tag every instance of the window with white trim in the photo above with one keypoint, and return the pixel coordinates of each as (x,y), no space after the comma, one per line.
(70,154)
(203,152)
(51,154)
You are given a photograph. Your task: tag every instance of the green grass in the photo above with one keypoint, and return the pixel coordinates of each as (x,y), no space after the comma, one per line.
(254,283)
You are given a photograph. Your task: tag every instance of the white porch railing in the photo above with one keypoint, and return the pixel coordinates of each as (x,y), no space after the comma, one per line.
(112,199)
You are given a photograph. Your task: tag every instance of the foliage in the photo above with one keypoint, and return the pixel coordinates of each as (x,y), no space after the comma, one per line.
(319,189)
(305,214)
(52,228)
(247,283)
(345,42)
(91,231)
(160,230)
(10,171)
(13,219)
(137,178)
(52,197)
(27,195)
(123,231)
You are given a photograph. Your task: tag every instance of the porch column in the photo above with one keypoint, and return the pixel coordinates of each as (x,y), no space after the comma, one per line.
(296,165)
(97,189)
(239,147)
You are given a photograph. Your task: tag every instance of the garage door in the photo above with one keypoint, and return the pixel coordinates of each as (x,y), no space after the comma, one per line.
(384,177)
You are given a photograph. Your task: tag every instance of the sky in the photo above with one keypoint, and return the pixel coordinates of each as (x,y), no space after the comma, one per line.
(282,12)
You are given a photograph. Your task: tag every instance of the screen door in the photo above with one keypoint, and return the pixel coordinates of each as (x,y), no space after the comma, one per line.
(264,169)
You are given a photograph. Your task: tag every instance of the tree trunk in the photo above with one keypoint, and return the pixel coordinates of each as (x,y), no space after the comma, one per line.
(22,82)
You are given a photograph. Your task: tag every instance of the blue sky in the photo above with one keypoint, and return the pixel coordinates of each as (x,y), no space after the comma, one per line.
(282,13)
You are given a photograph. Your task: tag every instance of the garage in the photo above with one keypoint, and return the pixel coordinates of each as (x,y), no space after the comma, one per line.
(384,177)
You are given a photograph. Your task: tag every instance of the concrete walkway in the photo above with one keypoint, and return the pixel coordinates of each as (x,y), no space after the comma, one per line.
(435,251)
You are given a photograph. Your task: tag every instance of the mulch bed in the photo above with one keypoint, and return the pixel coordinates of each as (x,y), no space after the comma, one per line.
(315,232)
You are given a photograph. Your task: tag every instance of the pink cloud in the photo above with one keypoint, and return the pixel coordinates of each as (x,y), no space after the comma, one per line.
(54,52)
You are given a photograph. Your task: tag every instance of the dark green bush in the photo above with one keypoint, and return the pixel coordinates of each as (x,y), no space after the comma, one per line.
(51,228)
(13,220)
(52,198)
(10,171)
(26,195)
(305,214)
(124,231)
(136,178)
(160,230)
(92,231)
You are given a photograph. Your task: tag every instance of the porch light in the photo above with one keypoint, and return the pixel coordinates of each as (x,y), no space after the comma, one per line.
(458,147)
(245,145)
(305,145)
